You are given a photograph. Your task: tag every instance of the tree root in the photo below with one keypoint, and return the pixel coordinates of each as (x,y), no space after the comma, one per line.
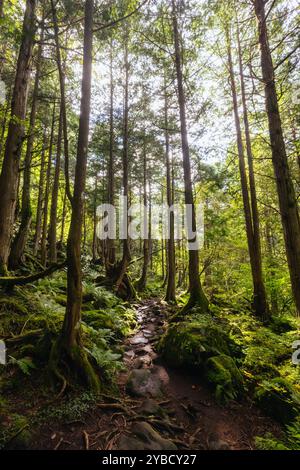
(80,367)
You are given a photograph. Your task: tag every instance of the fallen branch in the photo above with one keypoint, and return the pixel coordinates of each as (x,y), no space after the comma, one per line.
(10,282)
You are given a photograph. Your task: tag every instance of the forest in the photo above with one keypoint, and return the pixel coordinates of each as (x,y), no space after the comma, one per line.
(149,225)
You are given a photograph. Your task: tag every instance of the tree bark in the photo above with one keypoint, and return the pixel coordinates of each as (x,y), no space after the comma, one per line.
(52,236)
(39,210)
(18,246)
(197,296)
(285,189)
(71,341)
(111,252)
(250,209)
(43,235)
(61,74)
(141,284)
(10,169)
(171,287)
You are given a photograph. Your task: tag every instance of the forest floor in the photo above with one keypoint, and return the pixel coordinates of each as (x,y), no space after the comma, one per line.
(157,407)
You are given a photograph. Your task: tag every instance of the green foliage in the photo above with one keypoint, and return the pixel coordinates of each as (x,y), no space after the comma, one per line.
(25,364)
(222,372)
(191,342)
(278,399)
(289,441)
(71,408)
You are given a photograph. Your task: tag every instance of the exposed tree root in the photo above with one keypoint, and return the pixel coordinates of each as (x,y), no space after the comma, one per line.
(77,361)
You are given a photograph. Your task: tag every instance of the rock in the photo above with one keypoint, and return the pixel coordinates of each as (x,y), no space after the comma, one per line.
(191,343)
(137,363)
(214,443)
(144,437)
(278,399)
(138,340)
(143,382)
(222,372)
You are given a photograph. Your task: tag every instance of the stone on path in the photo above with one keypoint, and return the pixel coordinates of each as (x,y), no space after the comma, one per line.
(147,382)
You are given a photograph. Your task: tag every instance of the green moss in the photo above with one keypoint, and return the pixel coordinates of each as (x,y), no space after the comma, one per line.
(192,343)
(278,399)
(222,372)
(15,432)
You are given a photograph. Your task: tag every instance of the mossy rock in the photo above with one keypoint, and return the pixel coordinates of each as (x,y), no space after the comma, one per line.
(222,373)
(190,344)
(16,433)
(278,399)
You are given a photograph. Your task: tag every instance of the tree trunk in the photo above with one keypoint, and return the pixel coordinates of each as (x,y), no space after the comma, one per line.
(171,287)
(63,99)
(197,296)
(251,216)
(71,342)
(46,200)
(54,200)
(285,189)
(10,169)
(19,243)
(111,252)
(39,210)
(141,284)
(126,246)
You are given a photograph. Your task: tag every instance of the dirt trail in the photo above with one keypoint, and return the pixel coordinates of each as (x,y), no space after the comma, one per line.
(160,407)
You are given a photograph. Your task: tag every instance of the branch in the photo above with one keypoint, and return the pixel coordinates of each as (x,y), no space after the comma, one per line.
(113,23)
(286,57)
(10,282)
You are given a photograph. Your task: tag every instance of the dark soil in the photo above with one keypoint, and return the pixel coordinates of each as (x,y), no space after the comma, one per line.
(187,415)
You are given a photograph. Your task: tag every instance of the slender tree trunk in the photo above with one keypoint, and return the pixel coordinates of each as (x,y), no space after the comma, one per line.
(171,287)
(63,219)
(54,201)
(61,73)
(250,208)
(10,169)
(126,245)
(285,189)
(141,285)
(43,234)
(71,333)
(39,210)
(271,263)
(111,252)
(19,243)
(197,295)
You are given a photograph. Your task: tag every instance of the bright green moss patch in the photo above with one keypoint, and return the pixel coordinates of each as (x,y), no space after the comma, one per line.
(222,372)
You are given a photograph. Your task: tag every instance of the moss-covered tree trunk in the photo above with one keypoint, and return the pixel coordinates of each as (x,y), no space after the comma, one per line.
(70,341)
(20,240)
(9,177)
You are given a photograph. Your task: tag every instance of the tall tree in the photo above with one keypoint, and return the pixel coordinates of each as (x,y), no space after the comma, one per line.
(250,211)
(70,343)
(197,296)
(19,243)
(285,188)
(10,169)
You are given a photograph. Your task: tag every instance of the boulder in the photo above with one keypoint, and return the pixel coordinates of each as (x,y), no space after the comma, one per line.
(146,382)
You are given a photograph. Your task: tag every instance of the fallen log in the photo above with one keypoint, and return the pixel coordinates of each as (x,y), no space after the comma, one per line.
(10,282)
